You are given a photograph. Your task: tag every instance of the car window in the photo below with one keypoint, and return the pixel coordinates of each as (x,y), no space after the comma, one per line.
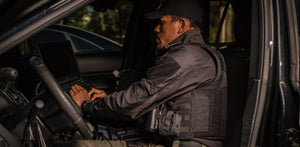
(82,44)
(91,42)
(89,29)
(110,24)
(226,33)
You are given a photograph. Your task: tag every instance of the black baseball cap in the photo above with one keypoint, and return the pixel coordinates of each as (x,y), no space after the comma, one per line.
(191,9)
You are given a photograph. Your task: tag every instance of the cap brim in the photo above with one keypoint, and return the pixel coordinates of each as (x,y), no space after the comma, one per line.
(154,14)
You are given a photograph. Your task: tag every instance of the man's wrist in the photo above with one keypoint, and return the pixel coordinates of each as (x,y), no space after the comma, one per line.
(84,103)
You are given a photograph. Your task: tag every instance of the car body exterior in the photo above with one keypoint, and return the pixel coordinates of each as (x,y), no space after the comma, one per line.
(262,64)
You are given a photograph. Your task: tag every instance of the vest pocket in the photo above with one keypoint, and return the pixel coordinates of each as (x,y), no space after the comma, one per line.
(169,123)
(200,113)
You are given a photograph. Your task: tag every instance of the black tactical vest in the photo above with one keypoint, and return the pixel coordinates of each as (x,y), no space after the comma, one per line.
(199,113)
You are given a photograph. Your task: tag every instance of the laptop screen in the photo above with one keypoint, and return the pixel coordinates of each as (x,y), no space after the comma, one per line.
(59,58)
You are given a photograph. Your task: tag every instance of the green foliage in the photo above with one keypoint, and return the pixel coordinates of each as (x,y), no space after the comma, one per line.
(112,23)
(216,12)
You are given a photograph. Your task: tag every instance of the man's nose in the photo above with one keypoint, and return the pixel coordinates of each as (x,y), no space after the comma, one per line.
(156,29)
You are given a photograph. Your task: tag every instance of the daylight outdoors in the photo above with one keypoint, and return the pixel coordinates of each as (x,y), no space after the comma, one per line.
(111,23)
(216,12)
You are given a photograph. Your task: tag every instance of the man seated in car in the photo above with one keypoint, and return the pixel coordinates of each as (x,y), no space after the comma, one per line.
(189,79)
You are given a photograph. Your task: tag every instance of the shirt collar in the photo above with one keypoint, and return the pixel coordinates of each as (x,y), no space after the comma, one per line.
(190,36)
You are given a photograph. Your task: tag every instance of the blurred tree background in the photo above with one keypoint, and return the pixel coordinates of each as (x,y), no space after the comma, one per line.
(111,23)
(216,12)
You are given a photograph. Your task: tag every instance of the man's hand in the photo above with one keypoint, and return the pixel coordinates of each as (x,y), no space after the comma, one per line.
(79,94)
(96,93)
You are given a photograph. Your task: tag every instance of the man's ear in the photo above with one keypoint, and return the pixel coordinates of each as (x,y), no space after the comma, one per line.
(182,25)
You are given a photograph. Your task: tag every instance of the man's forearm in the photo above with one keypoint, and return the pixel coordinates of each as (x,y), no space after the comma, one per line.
(97,111)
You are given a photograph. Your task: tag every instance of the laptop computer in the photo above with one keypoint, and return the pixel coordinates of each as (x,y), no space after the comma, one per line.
(60,59)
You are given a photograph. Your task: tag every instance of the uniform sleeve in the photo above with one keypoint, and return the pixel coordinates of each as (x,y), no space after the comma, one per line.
(164,81)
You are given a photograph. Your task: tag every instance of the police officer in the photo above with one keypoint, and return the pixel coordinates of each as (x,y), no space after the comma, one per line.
(189,79)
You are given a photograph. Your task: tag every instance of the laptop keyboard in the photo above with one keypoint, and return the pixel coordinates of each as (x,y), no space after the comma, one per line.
(66,85)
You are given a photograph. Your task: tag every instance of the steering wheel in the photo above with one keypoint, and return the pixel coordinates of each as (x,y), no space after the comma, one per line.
(67,105)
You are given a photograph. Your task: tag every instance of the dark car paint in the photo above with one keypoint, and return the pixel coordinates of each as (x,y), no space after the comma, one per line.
(271,105)
(273,86)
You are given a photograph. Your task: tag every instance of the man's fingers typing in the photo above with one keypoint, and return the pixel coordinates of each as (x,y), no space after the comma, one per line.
(98,95)
(94,91)
(97,90)
(91,92)
(75,88)
(72,93)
